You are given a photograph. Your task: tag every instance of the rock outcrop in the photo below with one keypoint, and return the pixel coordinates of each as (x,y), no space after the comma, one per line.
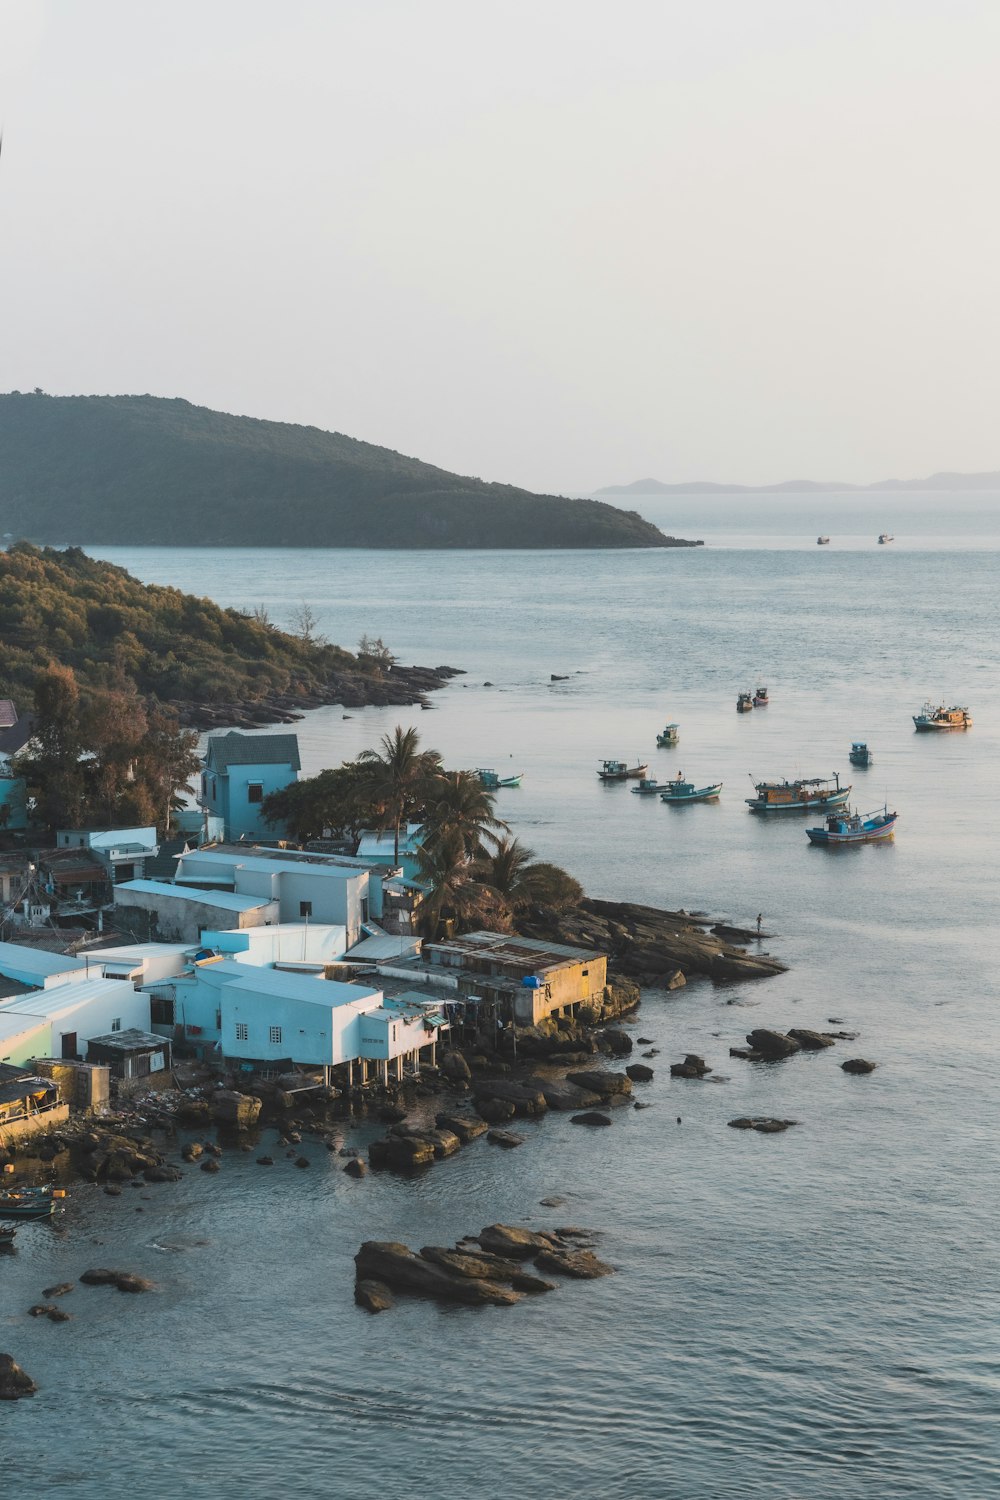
(14,1383)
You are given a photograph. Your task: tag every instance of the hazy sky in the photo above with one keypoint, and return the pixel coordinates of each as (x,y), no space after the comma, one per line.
(557,242)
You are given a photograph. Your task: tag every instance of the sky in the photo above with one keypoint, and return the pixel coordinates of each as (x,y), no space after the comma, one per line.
(558,243)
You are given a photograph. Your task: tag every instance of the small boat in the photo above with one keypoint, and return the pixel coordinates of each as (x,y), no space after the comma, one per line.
(801,795)
(884,537)
(854,828)
(860,755)
(7,1233)
(931,717)
(647,785)
(27,1202)
(760,698)
(679,790)
(491,780)
(822,541)
(744,704)
(620,770)
(669,734)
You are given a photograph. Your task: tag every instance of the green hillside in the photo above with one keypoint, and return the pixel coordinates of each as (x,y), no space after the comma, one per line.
(141,470)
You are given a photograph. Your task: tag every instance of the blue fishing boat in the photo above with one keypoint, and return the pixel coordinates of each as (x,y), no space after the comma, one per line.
(860,755)
(854,828)
(802,795)
(492,780)
(647,785)
(669,735)
(679,790)
(28,1202)
(620,770)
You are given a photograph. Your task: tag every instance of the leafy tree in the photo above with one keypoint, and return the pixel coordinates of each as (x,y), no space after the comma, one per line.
(397,778)
(443,864)
(457,802)
(337,800)
(54,774)
(512,871)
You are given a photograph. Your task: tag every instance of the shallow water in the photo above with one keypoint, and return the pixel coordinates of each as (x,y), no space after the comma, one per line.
(805,1315)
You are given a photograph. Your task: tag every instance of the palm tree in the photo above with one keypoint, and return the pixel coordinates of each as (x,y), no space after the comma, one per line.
(456,802)
(443,864)
(397,776)
(511,870)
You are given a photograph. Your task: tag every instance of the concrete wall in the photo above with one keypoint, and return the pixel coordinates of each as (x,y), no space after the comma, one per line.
(228,796)
(175,919)
(16,1130)
(23,1039)
(312,1033)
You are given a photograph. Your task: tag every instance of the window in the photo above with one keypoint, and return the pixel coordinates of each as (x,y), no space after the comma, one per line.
(161,1011)
(364,908)
(255,791)
(305,908)
(124,872)
(242,1031)
(116,1024)
(274,1036)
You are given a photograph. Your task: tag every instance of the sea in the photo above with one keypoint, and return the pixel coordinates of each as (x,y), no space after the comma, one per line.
(805,1316)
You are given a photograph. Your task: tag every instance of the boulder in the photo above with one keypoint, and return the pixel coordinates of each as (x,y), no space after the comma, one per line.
(124,1281)
(693,1066)
(399,1269)
(210,1164)
(192,1112)
(810,1041)
(675,981)
(495,1267)
(639,1073)
(373,1296)
(476,1267)
(495,1111)
(560,1094)
(505,1138)
(191,1150)
(265,1161)
(302,1162)
(163,1174)
(41,1310)
(858,1065)
(404,1152)
(590,1117)
(455,1068)
(618,1043)
(772,1045)
(582,1264)
(523,1281)
(764,1124)
(602,1084)
(466,1127)
(356,1168)
(238,1110)
(525,1099)
(14,1383)
(61,1289)
(508,1241)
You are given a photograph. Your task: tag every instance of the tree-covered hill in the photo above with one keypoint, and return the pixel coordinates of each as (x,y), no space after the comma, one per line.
(141,470)
(118,634)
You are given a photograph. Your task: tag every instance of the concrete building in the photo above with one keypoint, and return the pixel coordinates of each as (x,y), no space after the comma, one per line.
(123,853)
(317,888)
(378,847)
(73,1013)
(28,1104)
(285,944)
(37,967)
(151,908)
(240,770)
(23,1037)
(271,1018)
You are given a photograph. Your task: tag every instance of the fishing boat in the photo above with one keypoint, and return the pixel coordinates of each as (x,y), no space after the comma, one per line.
(860,755)
(801,795)
(884,537)
(620,770)
(854,828)
(939,717)
(679,790)
(760,698)
(669,734)
(491,780)
(744,704)
(822,541)
(28,1202)
(647,785)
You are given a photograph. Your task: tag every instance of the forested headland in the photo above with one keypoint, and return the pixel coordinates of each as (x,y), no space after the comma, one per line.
(146,471)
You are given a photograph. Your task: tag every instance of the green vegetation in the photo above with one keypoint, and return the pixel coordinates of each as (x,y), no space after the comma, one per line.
(140,470)
(120,635)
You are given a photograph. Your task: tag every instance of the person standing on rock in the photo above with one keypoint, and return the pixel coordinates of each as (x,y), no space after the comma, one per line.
(760,918)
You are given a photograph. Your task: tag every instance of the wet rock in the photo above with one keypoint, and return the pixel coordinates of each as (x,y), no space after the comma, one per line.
(618,1043)
(810,1041)
(560,1094)
(639,1073)
(582,1264)
(495,1111)
(455,1068)
(509,1241)
(163,1174)
(525,1099)
(505,1138)
(604,1085)
(645,1041)
(442,1142)
(241,1111)
(41,1310)
(479,1267)
(493,1267)
(58,1315)
(14,1383)
(356,1168)
(693,1066)
(764,1124)
(858,1065)
(192,1112)
(590,1117)
(772,1045)
(302,1162)
(523,1281)
(553,1202)
(675,981)
(398,1268)
(61,1289)
(112,1190)
(191,1151)
(392,1114)
(124,1281)
(466,1127)
(210,1165)
(373,1296)
(639,1104)
(265,1161)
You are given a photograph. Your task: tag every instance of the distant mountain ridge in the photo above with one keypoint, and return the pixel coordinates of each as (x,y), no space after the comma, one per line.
(147,471)
(942,481)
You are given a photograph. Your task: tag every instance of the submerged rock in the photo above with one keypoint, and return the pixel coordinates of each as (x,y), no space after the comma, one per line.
(356,1168)
(772,1045)
(590,1117)
(14,1383)
(505,1138)
(810,1041)
(858,1065)
(61,1289)
(398,1268)
(123,1281)
(764,1124)
(373,1296)
(508,1240)
(693,1066)
(582,1264)
(639,1073)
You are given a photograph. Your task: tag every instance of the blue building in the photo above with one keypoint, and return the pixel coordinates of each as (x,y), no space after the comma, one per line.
(240,770)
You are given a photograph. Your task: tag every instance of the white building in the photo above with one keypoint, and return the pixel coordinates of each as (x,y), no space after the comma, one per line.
(75,1012)
(122,851)
(179,914)
(305,889)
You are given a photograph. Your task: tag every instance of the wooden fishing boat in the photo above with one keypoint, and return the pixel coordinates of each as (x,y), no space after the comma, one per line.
(822,541)
(646,786)
(931,717)
(669,734)
(860,755)
(885,537)
(854,828)
(760,698)
(620,770)
(492,780)
(801,795)
(28,1202)
(679,790)
(744,703)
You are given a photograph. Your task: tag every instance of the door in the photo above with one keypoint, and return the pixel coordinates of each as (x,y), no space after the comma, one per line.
(69,1045)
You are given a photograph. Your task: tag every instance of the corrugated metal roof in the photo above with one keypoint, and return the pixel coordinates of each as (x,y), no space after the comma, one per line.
(385,945)
(232,749)
(226,900)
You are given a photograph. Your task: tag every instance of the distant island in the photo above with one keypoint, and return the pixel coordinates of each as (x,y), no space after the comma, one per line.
(146,471)
(943,481)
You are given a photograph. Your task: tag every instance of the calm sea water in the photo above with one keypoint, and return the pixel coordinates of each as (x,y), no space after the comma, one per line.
(810,1315)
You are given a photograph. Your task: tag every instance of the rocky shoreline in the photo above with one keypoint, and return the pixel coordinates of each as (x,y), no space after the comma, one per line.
(397,687)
